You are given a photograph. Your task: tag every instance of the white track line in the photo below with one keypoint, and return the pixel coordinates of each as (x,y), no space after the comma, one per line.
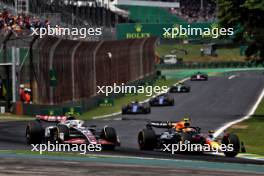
(107,115)
(251,112)
(231,77)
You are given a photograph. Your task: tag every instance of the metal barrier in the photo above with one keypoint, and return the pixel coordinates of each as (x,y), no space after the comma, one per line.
(78,67)
(230,64)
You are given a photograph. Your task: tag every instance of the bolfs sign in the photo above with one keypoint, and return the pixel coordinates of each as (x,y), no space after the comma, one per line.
(106,102)
(137,33)
(193,31)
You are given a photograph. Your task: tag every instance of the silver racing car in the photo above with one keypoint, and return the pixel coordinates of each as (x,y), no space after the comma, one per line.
(70,131)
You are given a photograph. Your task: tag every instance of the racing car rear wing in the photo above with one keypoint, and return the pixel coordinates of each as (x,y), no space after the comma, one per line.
(162,124)
(51,118)
(166,124)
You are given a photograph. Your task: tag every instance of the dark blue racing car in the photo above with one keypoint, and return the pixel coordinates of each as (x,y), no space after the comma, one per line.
(162,100)
(136,108)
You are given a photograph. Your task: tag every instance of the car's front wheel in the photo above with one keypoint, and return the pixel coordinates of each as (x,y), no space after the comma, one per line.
(147,139)
(172,102)
(109,134)
(147,110)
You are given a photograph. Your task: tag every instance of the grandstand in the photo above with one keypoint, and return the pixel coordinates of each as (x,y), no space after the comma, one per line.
(145,14)
(188,11)
(111,12)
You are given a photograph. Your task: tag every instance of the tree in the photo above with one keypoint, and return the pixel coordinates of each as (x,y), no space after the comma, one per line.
(247,18)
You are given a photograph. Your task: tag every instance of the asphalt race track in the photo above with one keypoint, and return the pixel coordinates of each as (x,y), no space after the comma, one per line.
(38,166)
(210,105)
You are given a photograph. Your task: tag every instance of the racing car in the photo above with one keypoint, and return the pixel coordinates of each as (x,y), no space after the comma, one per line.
(162,100)
(182,132)
(136,108)
(180,88)
(199,77)
(69,130)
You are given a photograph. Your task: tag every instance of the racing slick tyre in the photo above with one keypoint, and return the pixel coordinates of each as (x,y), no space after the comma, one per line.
(124,111)
(171,90)
(109,134)
(172,102)
(147,139)
(34,133)
(234,140)
(147,110)
(62,129)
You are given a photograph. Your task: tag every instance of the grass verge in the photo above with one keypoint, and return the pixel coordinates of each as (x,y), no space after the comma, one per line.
(193,53)
(12,117)
(251,131)
(119,102)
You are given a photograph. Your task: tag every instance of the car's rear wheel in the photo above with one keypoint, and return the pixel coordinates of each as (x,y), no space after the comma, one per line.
(234,141)
(147,139)
(34,133)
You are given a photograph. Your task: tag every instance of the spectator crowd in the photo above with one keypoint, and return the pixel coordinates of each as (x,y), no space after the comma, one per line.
(19,23)
(191,10)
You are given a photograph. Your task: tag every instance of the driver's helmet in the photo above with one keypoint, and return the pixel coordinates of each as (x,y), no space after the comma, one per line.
(179,126)
(75,123)
(71,117)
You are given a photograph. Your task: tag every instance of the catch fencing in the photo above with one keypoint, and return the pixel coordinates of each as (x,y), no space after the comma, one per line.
(69,71)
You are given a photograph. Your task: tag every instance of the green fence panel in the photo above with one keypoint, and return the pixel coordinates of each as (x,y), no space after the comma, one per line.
(75,110)
(106,102)
(52,112)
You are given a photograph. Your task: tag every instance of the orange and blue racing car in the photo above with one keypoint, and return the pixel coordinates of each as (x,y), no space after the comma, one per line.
(182,133)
